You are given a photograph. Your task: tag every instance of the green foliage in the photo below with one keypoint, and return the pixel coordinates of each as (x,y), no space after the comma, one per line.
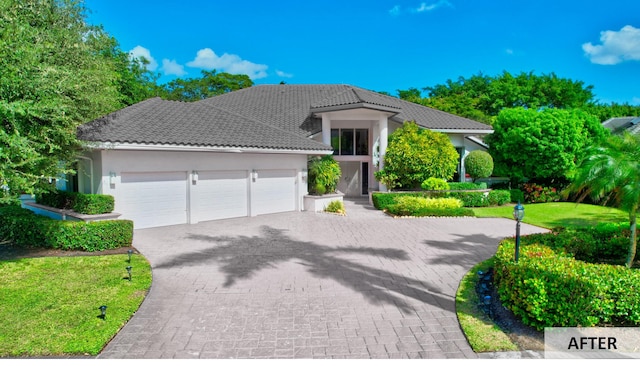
(435,184)
(466,186)
(335,207)
(498,197)
(471,199)
(606,111)
(424,206)
(56,72)
(57,199)
(88,204)
(415,154)
(541,145)
(610,174)
(324,173)
(210,84)
(93,204)
(22,227)
(478,164)
(383,201)
(548,287)
(516,195)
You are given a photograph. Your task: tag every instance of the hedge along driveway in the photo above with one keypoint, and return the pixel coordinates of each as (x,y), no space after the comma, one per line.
(306,285)
(22,227)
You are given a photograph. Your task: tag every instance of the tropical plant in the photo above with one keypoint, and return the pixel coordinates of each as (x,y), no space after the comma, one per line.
(324,174)
(478,164)
(610,175)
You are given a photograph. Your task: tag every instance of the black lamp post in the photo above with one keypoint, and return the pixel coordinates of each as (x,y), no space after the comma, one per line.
(129,252)
(129,271)
(518,214)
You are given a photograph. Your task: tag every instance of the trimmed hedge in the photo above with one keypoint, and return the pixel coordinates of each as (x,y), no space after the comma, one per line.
(466,186)
(88,204)
(93,204)
(410,206)
(382,200)
(24,228)
(549,287)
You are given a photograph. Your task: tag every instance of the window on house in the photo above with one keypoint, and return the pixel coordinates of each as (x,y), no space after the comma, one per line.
(350,141)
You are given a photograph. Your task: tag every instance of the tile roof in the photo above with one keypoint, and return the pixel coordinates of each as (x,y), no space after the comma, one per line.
(290,106)
(262,116)
(157,121)
(619,124)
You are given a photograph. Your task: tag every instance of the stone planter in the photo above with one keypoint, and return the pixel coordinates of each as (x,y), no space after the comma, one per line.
(69,215)
(319,203)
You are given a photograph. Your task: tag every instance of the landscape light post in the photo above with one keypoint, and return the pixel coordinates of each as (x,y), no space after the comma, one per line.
(518,214)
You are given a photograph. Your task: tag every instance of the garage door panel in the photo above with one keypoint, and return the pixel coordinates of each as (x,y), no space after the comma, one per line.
(222,194)
(153,199)
(275,191)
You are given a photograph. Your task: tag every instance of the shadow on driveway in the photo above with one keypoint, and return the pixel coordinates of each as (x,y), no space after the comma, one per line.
(242,257)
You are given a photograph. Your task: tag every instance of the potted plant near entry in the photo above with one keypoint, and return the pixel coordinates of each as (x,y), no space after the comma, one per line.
(323,176)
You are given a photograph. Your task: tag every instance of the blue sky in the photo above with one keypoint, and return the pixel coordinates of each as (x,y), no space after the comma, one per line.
(384,45)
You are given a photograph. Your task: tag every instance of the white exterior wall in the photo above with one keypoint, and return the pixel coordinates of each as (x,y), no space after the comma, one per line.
(119,161)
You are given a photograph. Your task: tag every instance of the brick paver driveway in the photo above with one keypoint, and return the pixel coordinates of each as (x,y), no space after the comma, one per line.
(306,285)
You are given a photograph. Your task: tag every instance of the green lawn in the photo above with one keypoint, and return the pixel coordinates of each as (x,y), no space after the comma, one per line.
(50,306)
(554,214)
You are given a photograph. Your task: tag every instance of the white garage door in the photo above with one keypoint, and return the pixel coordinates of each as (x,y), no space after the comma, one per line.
(221,194)
(275,191)
(153,199)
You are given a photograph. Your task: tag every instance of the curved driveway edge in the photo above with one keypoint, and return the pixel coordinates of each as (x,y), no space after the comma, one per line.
(307,285)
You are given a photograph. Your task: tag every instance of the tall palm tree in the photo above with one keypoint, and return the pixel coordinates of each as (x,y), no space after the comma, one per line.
(610,174)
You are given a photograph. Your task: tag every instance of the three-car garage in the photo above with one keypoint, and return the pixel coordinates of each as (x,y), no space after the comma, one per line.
(242,185)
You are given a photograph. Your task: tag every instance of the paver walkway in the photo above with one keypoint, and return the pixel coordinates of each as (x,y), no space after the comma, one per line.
(308,285)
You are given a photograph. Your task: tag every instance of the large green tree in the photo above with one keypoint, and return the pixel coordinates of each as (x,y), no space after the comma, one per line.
(481,97)
(55,74)
(542,145)
(210,84)
(610,174)
(414,154)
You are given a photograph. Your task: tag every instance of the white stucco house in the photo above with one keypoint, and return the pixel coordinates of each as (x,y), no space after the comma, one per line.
(245,153)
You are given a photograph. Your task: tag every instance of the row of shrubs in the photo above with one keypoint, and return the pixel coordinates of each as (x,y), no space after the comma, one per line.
(382,200)
(437,184)
(88,204)
(552,285)
(22,227)
(424,206)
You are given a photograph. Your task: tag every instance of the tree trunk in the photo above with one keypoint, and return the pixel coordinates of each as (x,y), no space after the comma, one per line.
(633,238)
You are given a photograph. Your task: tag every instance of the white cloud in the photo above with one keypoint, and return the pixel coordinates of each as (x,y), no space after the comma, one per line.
(395,11)
(615,47)
(635,101)
(233,64)
(138,51)
(509,51)
(283,74)
(424,7)
(171,67)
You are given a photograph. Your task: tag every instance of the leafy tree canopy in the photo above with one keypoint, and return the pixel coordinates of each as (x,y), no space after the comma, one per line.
(56,72)
(541,145)
(481,97)
(415,154)
(210,84)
